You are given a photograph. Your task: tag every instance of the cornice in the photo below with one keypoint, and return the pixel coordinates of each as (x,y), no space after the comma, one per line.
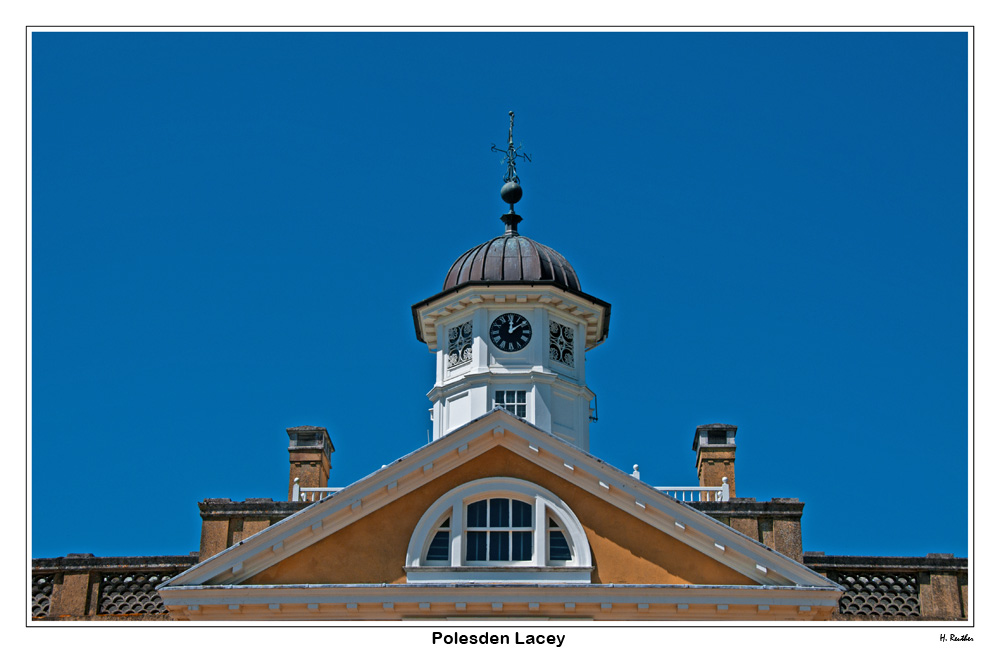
(477,379)
(63,564)
(396,600)
(595,313)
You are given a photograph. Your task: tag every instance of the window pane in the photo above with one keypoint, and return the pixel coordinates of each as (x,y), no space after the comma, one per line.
(499,396)
(438,549)
(446,523)
(558,546)
(500,546)
(520,396)
(519,411)
(499,512)
(510,396)
(477,514)
(521,513)
(475,548)
(522,545)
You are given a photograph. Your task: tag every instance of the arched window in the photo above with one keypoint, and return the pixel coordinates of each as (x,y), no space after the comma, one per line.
(499,530)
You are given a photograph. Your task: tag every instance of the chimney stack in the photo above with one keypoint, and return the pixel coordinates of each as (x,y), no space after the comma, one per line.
(715,445)
(309,449)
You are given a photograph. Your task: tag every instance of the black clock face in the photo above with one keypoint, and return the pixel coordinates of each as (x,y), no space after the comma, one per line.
(510,332)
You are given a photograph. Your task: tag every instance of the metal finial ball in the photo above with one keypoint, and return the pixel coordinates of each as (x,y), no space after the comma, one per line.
(511,192)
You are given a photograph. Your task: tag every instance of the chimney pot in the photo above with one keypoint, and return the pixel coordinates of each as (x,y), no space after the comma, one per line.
(715,447)
(309,449)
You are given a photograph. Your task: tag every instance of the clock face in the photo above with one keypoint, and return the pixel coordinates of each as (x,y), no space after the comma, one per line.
(510,332)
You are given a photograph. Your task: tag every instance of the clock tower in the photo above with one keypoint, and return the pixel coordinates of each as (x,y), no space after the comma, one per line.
(510,329)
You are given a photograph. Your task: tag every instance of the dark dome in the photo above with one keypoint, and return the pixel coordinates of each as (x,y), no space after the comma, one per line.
(512,257)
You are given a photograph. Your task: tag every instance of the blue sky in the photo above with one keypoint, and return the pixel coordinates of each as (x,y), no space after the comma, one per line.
(228,232)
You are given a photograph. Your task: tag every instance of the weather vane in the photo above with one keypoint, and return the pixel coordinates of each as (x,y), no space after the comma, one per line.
(511,191)
(511,153)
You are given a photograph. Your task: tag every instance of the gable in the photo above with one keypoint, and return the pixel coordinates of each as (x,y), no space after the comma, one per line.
(624,549)
(531,454)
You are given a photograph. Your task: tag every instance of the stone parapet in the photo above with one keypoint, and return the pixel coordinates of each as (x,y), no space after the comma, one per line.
(225,522)
(776,524)
(86,587)
(932,562)
(249,508)
(90,562)
(749,506)
(882,588)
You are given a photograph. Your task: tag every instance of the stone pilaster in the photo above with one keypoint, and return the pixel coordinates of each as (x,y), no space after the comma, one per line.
(71,595)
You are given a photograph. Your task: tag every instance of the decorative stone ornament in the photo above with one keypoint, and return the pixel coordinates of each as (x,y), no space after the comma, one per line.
(460,344)
(560,343)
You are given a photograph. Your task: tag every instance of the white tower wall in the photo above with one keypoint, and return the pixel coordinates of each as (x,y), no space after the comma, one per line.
(549,370)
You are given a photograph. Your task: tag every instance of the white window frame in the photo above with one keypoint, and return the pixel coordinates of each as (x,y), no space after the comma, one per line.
(539,569)
(508,530)
(511,407)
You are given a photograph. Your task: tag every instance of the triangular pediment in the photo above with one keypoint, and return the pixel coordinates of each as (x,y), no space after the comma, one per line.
(639,535)
(625,549)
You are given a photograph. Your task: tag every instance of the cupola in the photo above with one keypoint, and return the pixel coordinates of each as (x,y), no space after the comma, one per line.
(510,328)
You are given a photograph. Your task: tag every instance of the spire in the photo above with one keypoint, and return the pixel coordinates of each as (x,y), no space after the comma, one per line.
(511,190)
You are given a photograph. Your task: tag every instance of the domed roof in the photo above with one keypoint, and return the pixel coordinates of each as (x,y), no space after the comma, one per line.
(512,257)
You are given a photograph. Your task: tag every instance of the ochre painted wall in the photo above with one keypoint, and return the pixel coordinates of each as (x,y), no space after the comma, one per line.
(624,549)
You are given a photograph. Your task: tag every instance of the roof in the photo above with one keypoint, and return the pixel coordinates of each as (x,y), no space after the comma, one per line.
(512,257)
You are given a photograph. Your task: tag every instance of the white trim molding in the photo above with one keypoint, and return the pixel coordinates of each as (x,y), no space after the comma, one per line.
(446,600)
